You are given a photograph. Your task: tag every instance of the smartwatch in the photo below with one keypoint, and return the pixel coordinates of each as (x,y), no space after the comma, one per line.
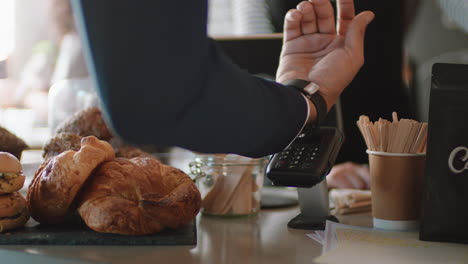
(311,92)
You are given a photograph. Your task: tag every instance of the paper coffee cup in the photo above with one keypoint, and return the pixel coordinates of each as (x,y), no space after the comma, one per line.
(396,185)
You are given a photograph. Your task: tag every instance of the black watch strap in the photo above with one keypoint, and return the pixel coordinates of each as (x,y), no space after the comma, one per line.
(316,99)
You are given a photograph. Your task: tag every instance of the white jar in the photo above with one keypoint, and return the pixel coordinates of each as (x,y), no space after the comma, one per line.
(67,97)
(230,185)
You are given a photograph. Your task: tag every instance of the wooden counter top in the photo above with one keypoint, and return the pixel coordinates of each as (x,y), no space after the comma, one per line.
(264,238)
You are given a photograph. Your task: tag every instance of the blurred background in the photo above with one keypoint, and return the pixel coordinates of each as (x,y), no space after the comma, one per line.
(41,63)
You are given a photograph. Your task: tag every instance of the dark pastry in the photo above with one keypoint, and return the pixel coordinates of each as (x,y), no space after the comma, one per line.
(10,143)
(60,143)
(88,122)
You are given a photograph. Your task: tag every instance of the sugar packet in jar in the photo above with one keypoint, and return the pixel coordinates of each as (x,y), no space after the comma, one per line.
(230,185)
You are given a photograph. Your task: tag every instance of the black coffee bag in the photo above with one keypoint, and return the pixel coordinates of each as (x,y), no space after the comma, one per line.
(445,199)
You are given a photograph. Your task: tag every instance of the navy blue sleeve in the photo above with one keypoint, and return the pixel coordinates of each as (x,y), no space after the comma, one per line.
(163,81)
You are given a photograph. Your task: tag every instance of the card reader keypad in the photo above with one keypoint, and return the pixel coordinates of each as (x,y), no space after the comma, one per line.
(307,160)
(300,156)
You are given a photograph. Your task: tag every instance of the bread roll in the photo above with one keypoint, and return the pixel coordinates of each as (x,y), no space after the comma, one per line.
(11,176)
(13,211)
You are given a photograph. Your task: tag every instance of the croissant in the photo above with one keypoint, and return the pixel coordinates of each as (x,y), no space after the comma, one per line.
(52,192)
(137,197)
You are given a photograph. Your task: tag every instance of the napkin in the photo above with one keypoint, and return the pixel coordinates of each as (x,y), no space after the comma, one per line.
(348,201)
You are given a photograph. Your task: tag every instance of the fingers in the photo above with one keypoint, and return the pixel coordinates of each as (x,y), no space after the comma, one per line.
(356,181)
(310,17)
(346,14)
(348,175)
(309,22)
(364,173)
(354,38)
(345,181)
(292,25)
(325,16)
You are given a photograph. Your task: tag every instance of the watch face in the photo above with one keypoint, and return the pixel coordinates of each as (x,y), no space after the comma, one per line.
(311,88)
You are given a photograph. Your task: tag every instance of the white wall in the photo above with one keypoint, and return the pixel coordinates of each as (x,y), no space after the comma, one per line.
(31,27)
(219,18)
(432,39)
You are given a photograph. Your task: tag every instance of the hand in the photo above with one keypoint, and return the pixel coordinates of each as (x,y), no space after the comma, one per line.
(349,175)
(314,50)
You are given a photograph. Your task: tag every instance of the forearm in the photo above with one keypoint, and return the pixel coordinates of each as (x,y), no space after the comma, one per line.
(172,86)
(243,114)
(229,111)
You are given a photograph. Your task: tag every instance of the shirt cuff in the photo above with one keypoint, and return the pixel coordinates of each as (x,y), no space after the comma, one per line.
(305,121)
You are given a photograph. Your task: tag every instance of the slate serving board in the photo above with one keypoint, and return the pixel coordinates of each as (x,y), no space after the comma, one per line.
(35,234)
(79,234)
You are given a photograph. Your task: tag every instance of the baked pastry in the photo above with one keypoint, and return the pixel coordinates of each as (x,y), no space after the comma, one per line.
(60,143)
(87,122)
(11,176)
(124,150)
(10,143)
(52,192)
(13,211)
(137,197)
(71,141)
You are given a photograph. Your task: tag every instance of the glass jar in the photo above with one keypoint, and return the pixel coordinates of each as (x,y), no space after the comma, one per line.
(230,185)
(67,97)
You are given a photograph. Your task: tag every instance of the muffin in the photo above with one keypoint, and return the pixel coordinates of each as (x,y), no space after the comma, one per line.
(10,143)
(61,142)
(87,122)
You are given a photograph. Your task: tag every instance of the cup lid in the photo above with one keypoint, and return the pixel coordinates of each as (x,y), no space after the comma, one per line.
(381,153)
